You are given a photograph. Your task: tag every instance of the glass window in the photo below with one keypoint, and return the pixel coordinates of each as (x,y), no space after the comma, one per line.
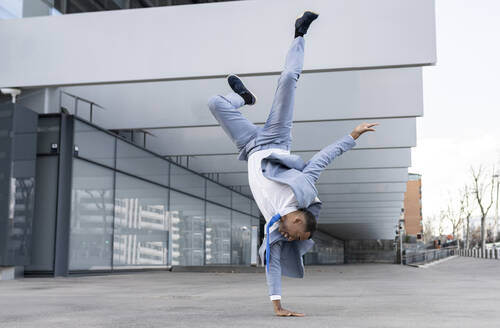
(94,144)
(255,241)
(187,181)
(91,217)
(187,229)
(241,203)
(217,193)
(326,250)
(133,160)
(48,134)
(255,209)
(141,223)
(83,110)
(218,235)
(241,233)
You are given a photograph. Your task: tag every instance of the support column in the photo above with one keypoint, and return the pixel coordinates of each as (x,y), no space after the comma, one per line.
(61,256)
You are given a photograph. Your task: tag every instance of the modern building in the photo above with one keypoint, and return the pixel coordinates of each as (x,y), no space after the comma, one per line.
(133,172)
(413,206)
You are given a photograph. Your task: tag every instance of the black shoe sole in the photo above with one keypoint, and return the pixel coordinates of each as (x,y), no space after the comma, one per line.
(299,17)
(249,92)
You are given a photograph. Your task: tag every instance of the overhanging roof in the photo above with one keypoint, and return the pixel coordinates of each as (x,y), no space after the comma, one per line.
(362,64)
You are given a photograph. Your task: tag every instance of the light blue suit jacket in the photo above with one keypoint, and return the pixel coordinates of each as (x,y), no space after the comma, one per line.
(286,257)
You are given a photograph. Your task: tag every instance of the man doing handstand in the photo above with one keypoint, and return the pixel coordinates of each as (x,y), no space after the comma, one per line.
(282,185)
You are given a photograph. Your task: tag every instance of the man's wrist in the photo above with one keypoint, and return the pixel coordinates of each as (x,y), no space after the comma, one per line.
(354,135)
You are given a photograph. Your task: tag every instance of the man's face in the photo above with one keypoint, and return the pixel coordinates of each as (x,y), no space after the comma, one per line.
(293,225)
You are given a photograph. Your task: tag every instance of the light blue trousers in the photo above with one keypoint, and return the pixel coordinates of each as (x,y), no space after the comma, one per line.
(277,129)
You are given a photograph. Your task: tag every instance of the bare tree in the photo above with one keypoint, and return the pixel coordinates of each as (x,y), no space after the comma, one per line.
(482,186)
(427,227)
(456,219)
(475,235)
(442,219)
(466,209)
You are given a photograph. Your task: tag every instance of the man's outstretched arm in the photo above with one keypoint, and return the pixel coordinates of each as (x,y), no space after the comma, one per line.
(323,158)
(274,282)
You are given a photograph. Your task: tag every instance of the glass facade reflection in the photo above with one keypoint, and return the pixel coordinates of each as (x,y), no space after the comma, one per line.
(240,203)
(218,194)
(94,144)
(241,229)
(141,163)
(218,235)
(91,229)
(188,223)
(141,223)
(187,181)
(131,208)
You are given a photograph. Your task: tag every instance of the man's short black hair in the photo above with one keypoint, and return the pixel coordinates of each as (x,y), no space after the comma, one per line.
(311,223)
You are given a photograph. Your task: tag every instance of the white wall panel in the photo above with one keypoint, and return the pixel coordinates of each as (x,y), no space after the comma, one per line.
(386,196)
(359,211)
(334,176)
(328,95)
(357,158)
(211,40)
(397,132)
(342,188)
(361,64)
(364,175)
(351,188)
(364,219)
(375,204)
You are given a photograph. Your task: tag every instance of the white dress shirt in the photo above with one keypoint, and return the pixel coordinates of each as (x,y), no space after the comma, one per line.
(271,197)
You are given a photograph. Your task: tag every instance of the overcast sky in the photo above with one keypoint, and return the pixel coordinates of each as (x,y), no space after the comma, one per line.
(461,122)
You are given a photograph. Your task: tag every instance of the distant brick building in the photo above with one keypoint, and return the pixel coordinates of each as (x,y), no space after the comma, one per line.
(413,205)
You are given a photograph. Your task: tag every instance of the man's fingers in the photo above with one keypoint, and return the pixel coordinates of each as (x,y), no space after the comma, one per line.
(287,313)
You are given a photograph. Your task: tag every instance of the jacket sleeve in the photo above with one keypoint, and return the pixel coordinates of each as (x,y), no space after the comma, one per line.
(324,157)
(273,277)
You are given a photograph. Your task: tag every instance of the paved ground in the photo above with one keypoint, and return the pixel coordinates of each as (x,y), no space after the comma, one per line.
(461,292)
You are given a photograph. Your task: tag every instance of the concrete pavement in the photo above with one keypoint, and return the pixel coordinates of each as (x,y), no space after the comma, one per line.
(462,292)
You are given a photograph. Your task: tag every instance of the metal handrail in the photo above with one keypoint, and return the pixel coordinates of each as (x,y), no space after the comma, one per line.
(77,98)
(426,256)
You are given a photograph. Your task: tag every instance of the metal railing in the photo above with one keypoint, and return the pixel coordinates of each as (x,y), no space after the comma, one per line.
(426,256)
(490,253)
(77,99)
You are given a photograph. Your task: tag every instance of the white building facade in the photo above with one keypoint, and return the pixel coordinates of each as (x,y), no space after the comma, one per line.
(149,73)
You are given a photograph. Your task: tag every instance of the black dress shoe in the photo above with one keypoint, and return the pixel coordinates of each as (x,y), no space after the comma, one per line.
(238,87)
(302,23)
